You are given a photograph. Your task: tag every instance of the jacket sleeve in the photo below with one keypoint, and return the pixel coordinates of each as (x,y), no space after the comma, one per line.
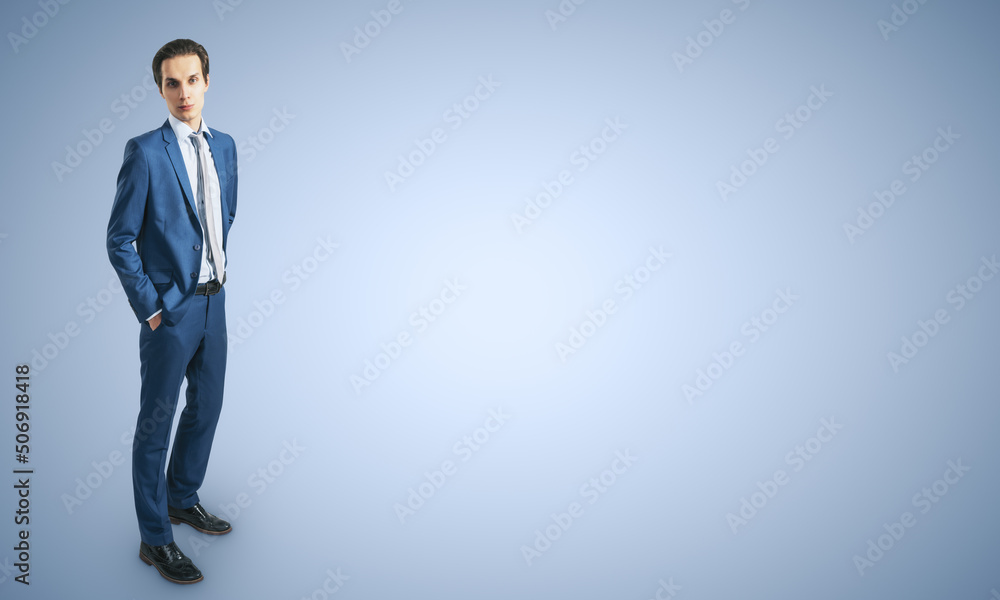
(124,227)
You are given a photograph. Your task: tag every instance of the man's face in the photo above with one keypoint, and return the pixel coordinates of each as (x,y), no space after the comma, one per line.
(184,88)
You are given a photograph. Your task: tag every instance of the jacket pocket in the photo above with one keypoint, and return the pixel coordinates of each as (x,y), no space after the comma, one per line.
(160,279)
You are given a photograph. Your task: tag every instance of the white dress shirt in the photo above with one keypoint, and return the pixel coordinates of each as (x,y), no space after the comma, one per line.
(183,132)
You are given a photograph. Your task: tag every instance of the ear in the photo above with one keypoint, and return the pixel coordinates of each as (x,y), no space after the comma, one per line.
(206,82)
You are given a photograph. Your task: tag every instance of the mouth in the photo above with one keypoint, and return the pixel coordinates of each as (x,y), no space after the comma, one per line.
(186,107)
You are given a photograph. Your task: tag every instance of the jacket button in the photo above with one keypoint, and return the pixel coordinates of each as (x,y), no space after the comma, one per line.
(197,247)
(194,276)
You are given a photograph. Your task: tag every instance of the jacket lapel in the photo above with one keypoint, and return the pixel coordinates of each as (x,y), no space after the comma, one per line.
(222,170)
(177,160)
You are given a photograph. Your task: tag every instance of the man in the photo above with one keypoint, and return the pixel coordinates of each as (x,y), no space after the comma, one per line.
(175,202)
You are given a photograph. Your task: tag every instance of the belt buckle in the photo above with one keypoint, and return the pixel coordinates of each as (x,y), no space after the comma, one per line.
(212,287)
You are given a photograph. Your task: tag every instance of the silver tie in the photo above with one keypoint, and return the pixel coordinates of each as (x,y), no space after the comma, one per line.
(206,207)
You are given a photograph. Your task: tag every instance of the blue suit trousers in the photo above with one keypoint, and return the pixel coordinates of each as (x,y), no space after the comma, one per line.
(193,348)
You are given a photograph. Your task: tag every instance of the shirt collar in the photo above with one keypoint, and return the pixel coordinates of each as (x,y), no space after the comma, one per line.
(182,130)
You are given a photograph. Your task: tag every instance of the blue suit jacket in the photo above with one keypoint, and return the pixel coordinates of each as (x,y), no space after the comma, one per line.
(155,208)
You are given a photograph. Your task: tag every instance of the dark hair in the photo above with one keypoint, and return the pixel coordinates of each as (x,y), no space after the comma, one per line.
(181,47)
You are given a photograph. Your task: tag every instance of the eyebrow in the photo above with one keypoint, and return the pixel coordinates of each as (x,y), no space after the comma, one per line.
(197,74)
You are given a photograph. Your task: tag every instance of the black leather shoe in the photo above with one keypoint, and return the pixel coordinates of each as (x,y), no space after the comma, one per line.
(170,562)
(200,519)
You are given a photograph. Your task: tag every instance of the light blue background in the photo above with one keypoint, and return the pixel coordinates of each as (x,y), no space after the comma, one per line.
(323,176)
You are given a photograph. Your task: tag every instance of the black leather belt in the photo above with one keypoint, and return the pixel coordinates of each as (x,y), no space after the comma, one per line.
(210,288)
